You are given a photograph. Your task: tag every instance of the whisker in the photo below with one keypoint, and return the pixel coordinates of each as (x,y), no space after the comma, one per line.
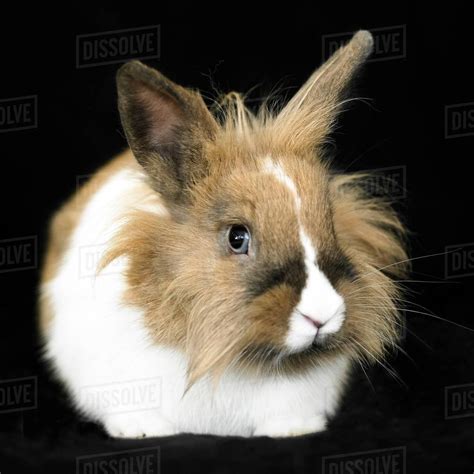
(424,314)
(388,341)
(366,375)
(388,284)
(381,286)
(389,370)
(424,281)
(405,261)
(399,300)
(422,341)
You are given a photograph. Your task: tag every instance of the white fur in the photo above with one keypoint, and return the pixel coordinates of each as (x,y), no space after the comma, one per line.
(279,173)
(319,301)
(117,376)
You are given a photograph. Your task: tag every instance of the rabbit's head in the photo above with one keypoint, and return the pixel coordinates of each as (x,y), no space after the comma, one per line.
(267,258)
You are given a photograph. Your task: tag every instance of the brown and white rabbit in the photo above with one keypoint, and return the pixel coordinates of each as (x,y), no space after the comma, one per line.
(237,269)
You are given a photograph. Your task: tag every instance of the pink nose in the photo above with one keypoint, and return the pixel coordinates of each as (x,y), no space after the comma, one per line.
(314,322)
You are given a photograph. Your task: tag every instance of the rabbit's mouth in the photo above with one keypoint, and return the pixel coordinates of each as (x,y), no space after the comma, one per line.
(306,331)
(321,340)
(273,358)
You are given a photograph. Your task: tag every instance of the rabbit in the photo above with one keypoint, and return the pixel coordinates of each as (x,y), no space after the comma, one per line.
(217,276)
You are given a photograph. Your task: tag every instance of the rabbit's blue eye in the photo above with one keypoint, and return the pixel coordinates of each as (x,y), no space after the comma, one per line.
(239,238)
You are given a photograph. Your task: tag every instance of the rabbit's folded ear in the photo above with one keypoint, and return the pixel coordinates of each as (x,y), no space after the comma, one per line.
(308,117)
(166,126)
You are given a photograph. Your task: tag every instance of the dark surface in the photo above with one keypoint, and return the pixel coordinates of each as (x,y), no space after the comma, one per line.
(78,129)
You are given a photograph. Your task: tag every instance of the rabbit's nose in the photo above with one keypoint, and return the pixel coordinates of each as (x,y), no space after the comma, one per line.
(317,324)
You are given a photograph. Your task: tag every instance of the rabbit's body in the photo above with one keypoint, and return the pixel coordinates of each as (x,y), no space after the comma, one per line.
(98,346)
(220,277)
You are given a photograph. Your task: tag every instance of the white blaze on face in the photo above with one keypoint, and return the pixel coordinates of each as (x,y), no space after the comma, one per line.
(319,301)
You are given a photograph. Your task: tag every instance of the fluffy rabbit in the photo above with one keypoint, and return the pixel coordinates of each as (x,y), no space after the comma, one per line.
(219,277)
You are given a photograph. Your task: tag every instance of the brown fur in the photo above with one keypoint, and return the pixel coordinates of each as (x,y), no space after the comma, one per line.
(224,309)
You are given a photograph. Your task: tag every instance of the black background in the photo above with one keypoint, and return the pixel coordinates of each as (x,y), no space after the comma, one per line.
(402,125)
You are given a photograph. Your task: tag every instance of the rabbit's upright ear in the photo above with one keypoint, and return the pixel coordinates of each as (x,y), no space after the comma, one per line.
(308,117)
(166,126)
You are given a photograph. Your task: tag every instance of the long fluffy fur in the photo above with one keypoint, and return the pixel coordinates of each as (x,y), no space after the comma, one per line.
(181,310)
